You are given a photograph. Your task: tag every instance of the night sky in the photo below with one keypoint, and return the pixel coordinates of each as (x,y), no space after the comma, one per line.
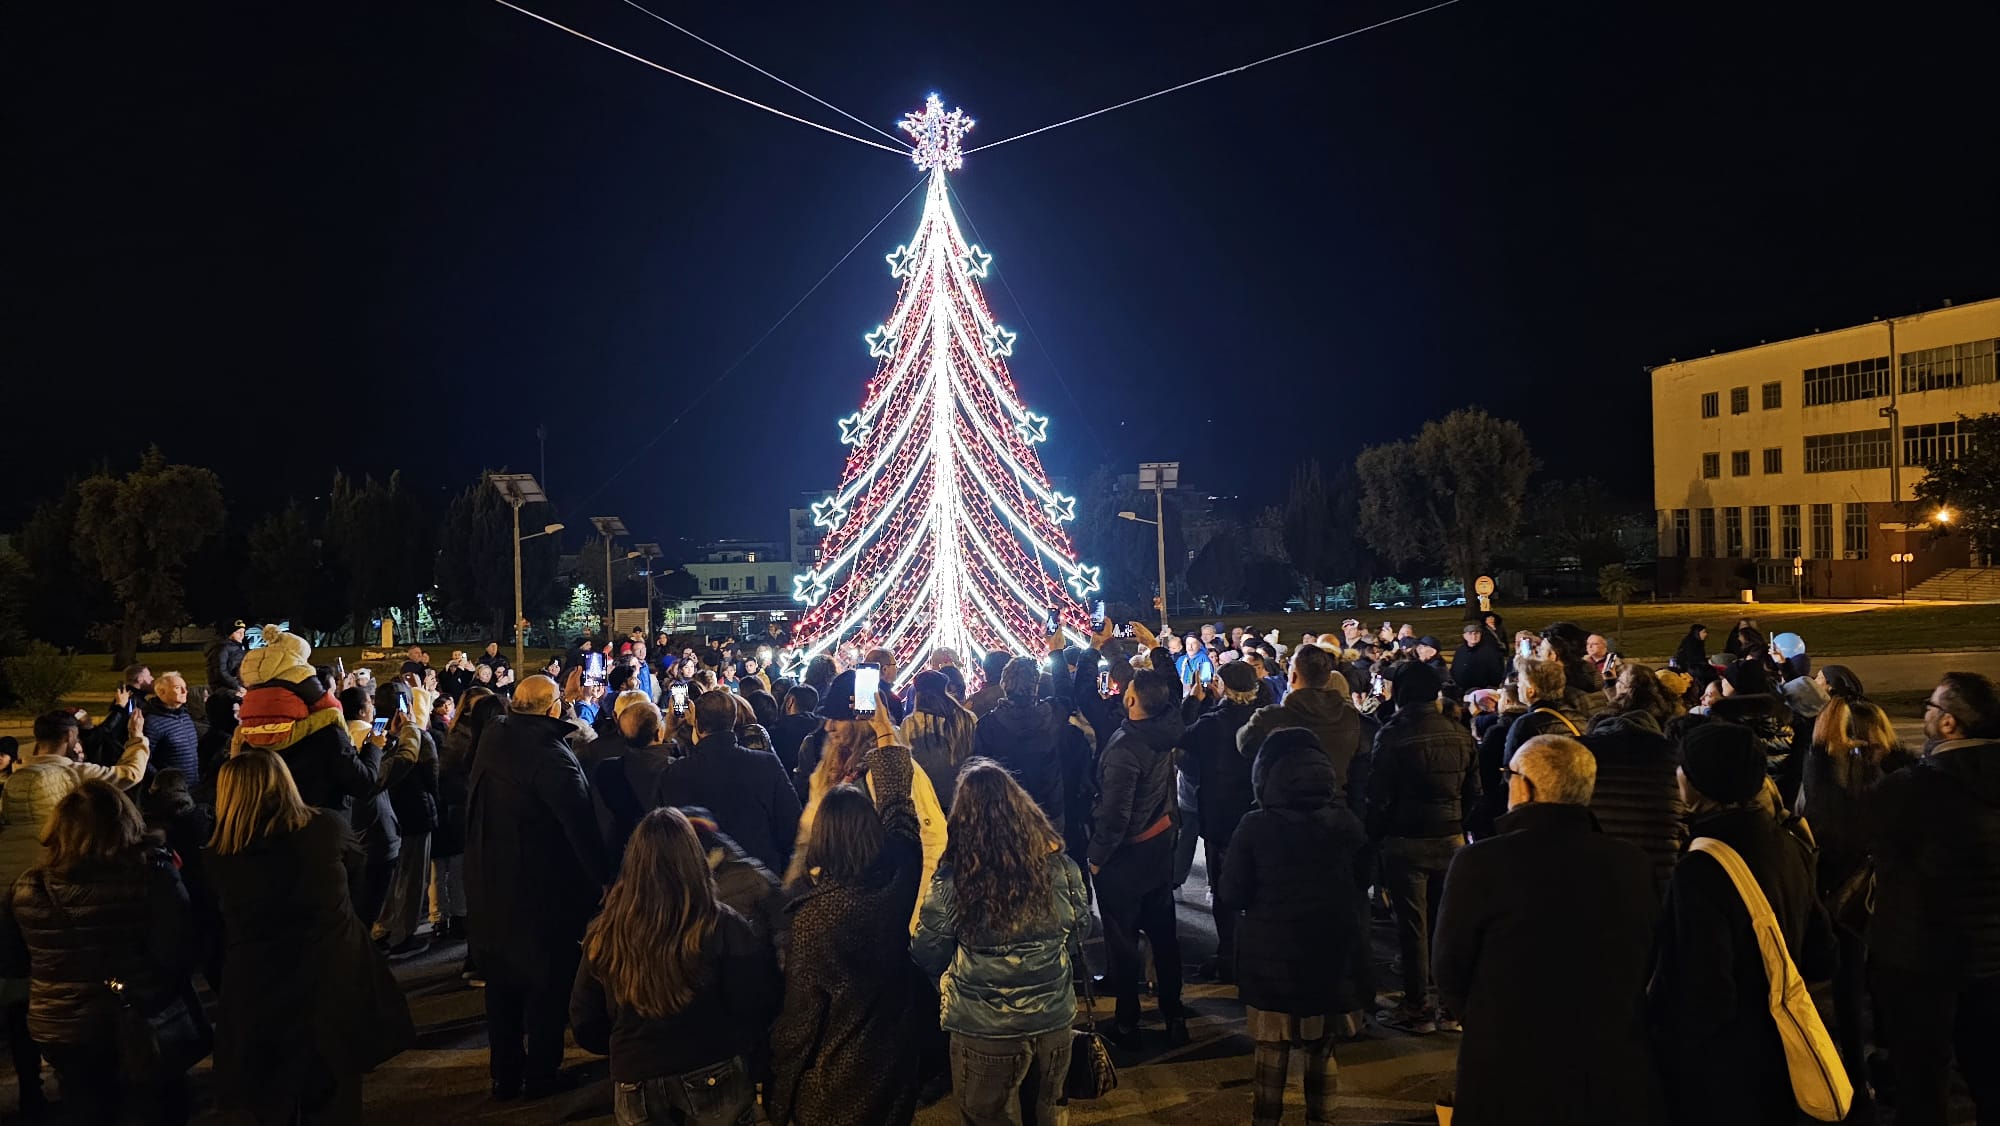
(279,239)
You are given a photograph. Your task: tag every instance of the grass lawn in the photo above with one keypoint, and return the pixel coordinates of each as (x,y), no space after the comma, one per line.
(1654,629)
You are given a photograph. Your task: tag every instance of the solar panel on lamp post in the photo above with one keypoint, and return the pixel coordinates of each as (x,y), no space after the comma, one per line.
(520,489)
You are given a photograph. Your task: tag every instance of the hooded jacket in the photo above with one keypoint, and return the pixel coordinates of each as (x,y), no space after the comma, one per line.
(1003,987)
(1935,827)
(1296,867)
(1638,795)
(1026,737)
(1135,783)
(1219,770)
(1326,712)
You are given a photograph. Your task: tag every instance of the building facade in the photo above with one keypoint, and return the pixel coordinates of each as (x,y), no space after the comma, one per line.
(1809,449)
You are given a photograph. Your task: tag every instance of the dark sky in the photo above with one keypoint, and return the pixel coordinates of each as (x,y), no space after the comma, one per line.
(281,238)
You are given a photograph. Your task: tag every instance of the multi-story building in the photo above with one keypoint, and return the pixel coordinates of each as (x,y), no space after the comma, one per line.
(1808,450)
(742,569)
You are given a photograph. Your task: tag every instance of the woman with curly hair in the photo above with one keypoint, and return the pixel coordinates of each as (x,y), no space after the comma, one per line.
(674,986)
(1004,913)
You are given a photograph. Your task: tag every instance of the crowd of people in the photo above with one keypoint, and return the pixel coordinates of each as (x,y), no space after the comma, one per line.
(748,887)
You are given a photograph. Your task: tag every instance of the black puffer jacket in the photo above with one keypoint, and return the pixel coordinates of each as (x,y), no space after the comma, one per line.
(1638,795)
(1025,736)
(1479,666)
(1422,781)
(70,931)
(1222,774)
(1135,782)
(1936,831)
(1296,869)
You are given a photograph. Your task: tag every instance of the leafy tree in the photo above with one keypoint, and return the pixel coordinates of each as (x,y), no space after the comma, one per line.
(626,582)
(1573,520)
(1614,584)
(1309,532)
(1217,569)
(285,577)
(1968,485)
(1451,496)
(1268,584)
(475,561)
(67,602)
(677,585)
(381,535)
(139,531)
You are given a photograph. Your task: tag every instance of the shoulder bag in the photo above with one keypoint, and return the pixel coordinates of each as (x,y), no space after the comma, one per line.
(1819,1079)
(1091,1072)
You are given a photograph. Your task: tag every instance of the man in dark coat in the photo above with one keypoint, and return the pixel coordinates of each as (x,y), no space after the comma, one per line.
(534,871)
(1481,662)
(746,791)
(1550,900)
(1132,851)
(1934,940)
(801,719)
(170,728)
(1024,734)
(1721,1060)
(1316,701)
(1637,798)
(1222,776)
(224,658)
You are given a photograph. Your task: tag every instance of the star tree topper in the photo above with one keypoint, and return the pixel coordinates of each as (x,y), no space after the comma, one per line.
(937,134)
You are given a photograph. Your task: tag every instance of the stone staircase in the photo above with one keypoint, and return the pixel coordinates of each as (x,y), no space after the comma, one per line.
(1961,584)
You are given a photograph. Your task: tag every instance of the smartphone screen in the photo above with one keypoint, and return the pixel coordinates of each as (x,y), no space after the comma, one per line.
(679,695)
(867,685)
(1104,683)
(1097,615)
(381,724)
(1207,672)
(1527,648)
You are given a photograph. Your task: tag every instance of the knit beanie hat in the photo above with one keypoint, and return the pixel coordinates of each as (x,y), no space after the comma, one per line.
(1239,682)
(1723,761)
(283,656)
(1415,681)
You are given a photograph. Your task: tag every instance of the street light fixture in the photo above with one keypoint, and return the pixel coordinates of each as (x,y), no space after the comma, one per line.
(1944,515)
(1157,477)
(1903,559)
(521,489)
(610,527)
(651,553)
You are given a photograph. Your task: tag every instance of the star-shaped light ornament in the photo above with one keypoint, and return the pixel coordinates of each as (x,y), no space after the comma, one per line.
(977,261)
(882,343)
(809,588)
(1032,427)
(853,430)
(999,342)
(936,135)
(902,262)
(829,513)
(1084,581)
(1061,509)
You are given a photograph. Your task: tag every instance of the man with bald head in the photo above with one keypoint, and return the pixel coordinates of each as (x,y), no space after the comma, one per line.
(1550,907)
(534,868)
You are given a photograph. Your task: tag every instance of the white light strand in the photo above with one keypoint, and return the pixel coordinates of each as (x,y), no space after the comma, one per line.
(1212,77)
(765,73)
(903,152)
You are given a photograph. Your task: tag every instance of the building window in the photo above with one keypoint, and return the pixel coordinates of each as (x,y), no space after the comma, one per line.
(1739,400)
(1842,383)
(1788,530)
(718,583)
(1711,466)
(1774,460)
(1711,404)
(1760,532)
(1732,532)
(1855,449)
(1681,532)
(1854,531)
(1739,463)
(770,584)
(1705,524)
(1822,531)
(1774,396)
(1954,365)
(1930,443)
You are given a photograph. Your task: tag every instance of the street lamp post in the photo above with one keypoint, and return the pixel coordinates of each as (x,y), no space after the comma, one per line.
(521,489)
(1157,477)
(609,527)
(1902,560)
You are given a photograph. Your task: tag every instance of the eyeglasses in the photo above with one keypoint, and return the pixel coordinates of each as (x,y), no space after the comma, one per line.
(1929,704)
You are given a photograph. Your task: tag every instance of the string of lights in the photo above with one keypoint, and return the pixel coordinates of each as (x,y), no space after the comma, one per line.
(760,70)
(698,82)
(1212,77)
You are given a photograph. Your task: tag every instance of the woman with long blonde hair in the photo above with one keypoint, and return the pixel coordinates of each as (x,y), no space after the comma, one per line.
(309,1003)
(674,986)
(998,929)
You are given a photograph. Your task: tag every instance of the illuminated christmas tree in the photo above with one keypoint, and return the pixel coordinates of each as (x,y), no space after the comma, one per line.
(945,532)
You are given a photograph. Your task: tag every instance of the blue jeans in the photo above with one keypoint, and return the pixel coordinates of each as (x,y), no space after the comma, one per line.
(720,1094)
(1010,1082)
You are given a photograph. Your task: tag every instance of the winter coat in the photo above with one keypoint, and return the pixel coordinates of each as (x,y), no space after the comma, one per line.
(1296,868)
(1422,781)
(1507,932)
(1720,1058)
(1492,756)
(306,988)
(930,818)
(186,827)
(1479,666)
(534,867)
(940,744)
(1935,828)
(1836,811)
(455,756)
(1219,771)
(175,741)
(857,1011)
(736,995)
(412,788)
(622,792)
(1026,737)
(331,772)
(224,657)
(1638,795)
(745,790)
(1326,712)
(1004,987)
(68,932)
(32,792)
(789,732)
(374,821)
(1135,788)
